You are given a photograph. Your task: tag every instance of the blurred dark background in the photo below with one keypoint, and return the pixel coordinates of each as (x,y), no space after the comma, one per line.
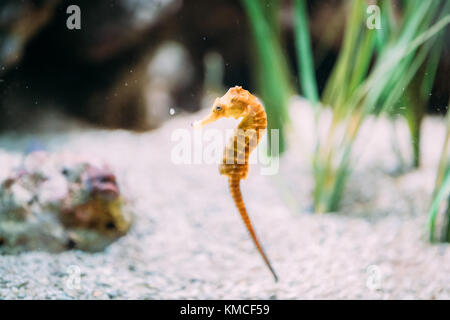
(133,60)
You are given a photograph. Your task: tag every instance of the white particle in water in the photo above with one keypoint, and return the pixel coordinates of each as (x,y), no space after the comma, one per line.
(171,111)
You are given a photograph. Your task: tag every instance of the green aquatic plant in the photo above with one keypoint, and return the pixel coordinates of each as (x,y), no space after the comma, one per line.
(413,104)
(356,89)
(304,53)
(271,67)
(441,194)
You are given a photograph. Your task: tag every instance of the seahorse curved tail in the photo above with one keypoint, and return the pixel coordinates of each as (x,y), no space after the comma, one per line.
(235,189)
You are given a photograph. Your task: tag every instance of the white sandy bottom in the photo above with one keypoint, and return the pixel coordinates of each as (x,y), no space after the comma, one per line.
(188,242)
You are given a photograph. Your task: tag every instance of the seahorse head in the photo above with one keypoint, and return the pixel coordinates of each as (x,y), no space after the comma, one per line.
(234,104)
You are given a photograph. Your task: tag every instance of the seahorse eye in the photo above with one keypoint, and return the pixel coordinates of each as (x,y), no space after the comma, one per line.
(218,108)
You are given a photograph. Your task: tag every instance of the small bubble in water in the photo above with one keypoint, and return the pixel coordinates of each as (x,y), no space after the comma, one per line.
(171,111)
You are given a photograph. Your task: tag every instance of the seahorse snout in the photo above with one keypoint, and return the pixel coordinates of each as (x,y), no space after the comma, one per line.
(208,119)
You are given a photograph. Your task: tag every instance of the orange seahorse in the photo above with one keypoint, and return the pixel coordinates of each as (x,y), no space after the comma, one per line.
(237,103)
